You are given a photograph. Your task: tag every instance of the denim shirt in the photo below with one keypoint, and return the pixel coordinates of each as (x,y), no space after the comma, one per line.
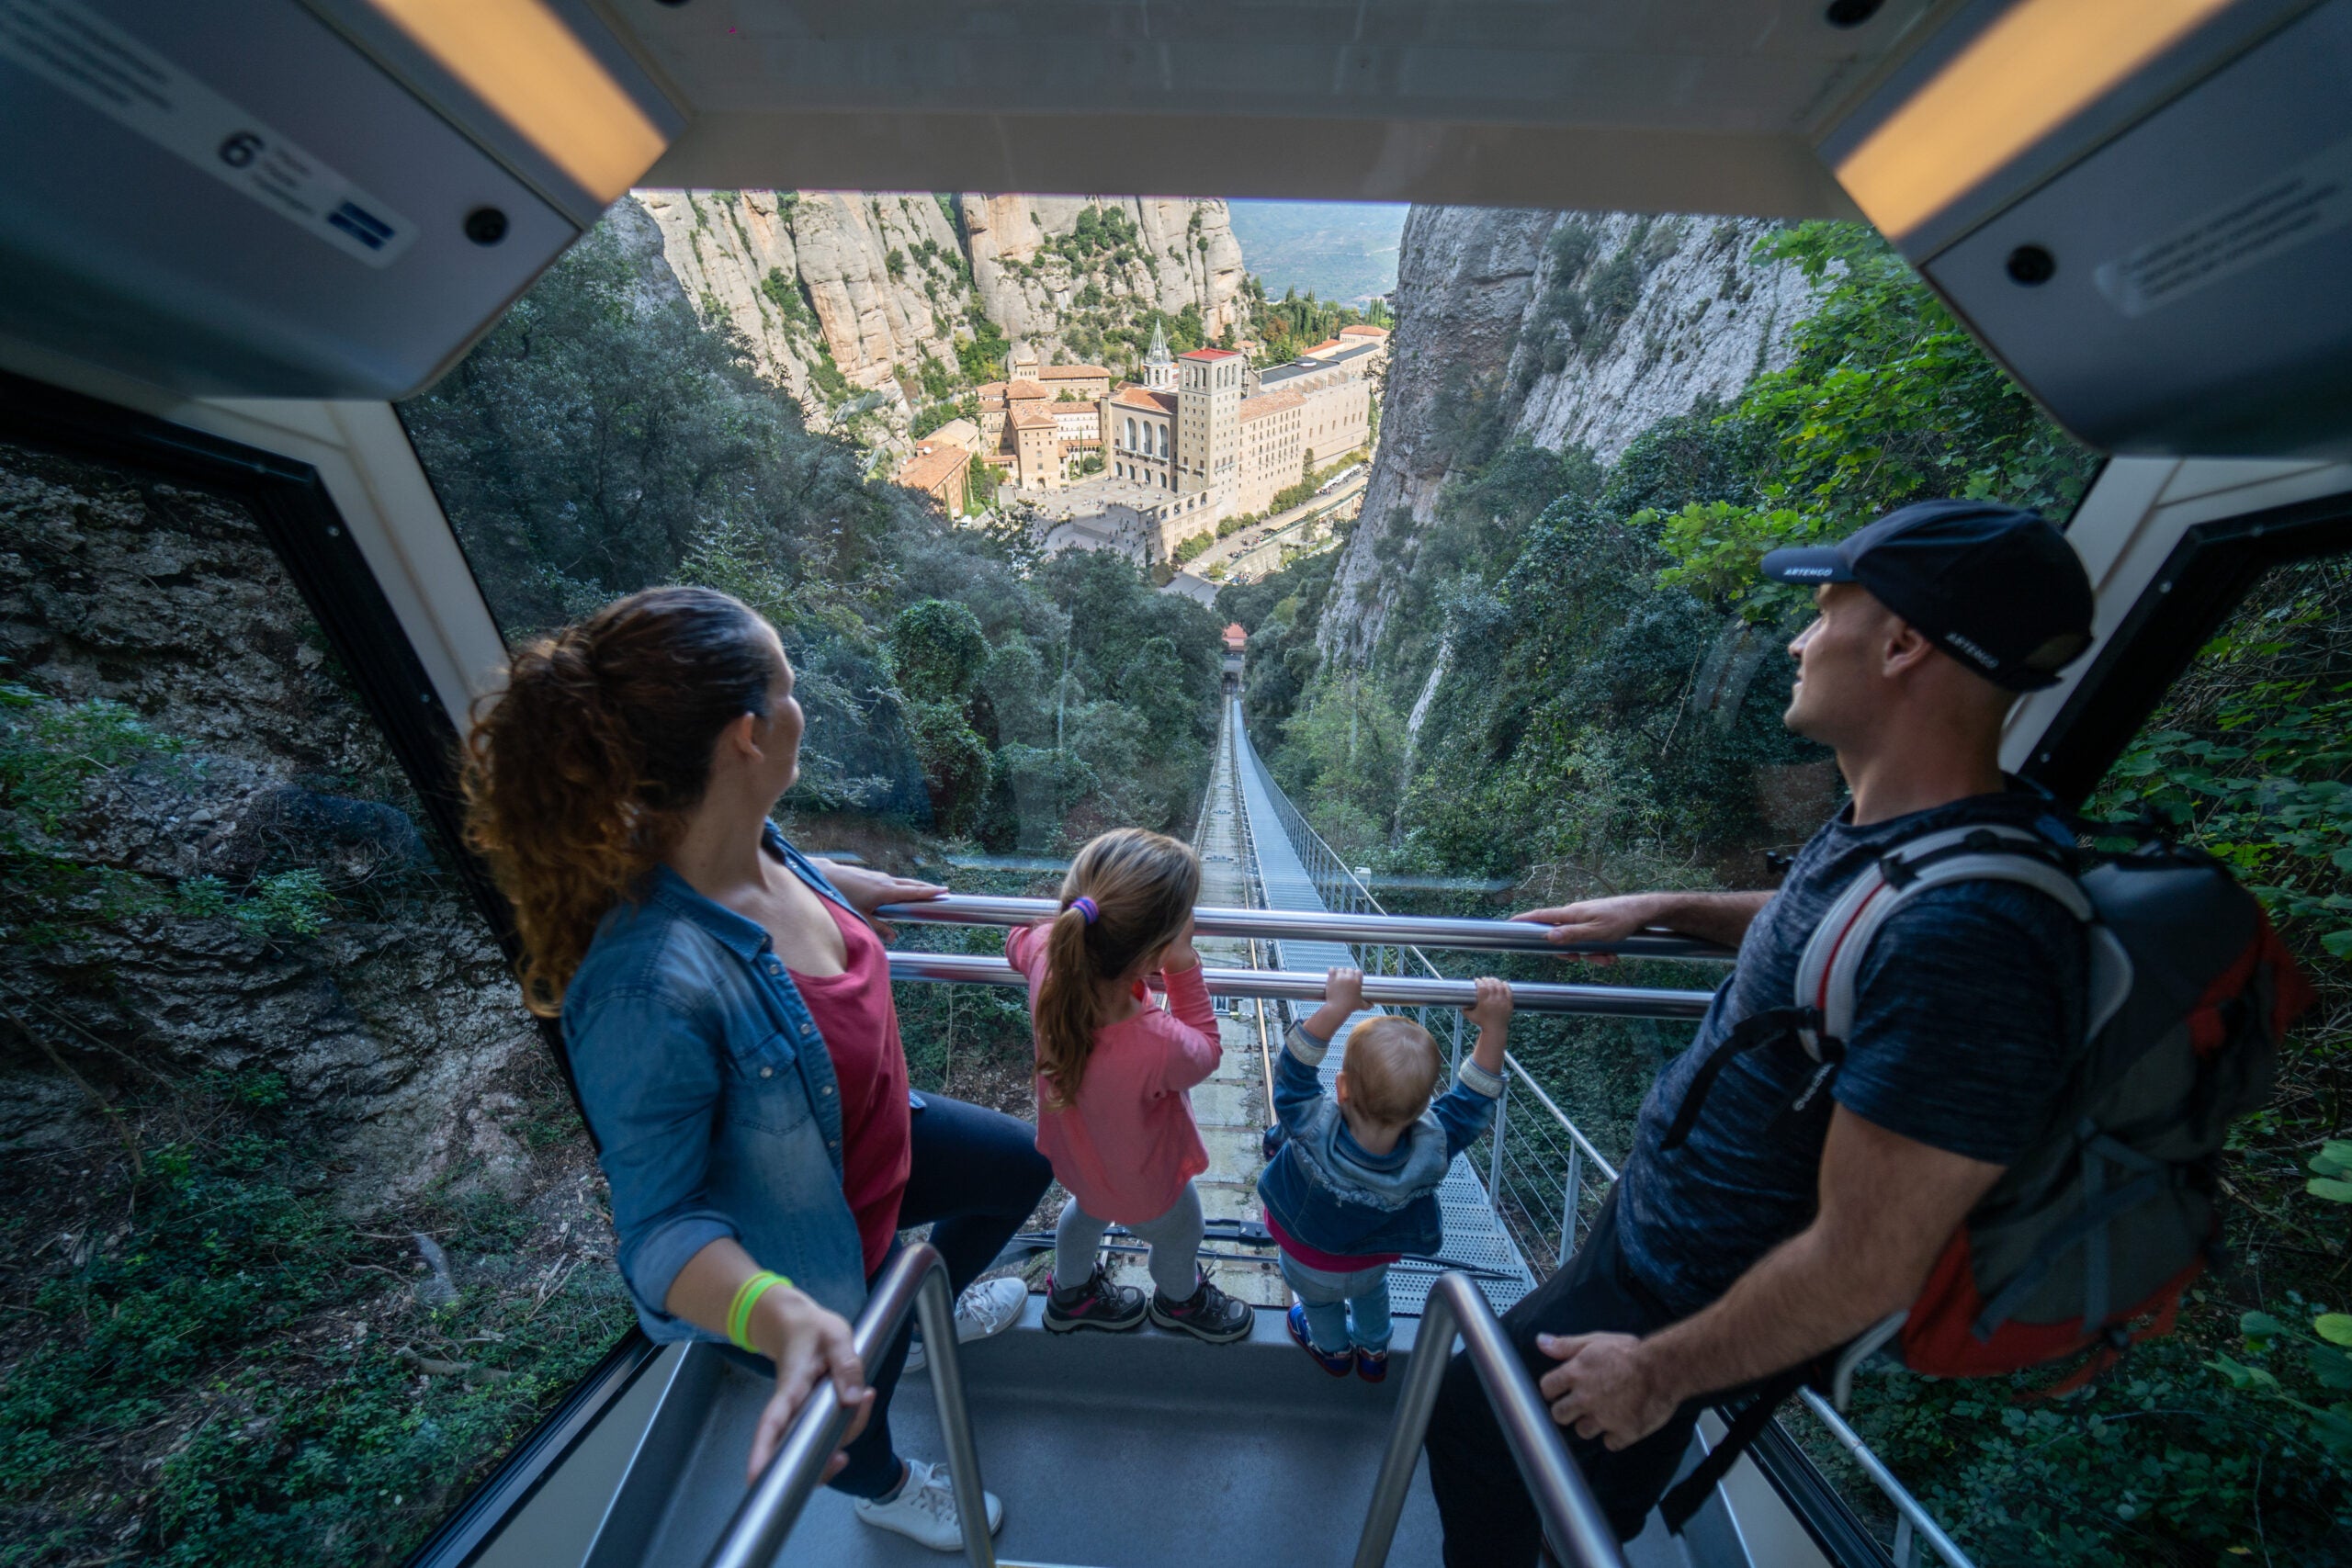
(713,1095)
(1330,1192)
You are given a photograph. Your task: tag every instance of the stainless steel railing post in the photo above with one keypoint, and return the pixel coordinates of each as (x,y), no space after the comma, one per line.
(917,1280)
(1495,1152)
(935,1309)
(1571,1195)
(1573,1522)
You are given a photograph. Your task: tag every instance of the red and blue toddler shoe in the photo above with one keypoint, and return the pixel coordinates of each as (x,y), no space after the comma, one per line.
(1338,1365)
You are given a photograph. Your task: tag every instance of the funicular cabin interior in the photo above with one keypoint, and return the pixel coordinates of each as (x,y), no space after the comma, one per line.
(232,234)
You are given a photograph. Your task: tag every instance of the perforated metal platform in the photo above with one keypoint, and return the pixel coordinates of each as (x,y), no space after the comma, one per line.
(1475,1241)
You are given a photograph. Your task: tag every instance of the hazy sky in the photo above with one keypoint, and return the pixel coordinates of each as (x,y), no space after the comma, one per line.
(1342,250)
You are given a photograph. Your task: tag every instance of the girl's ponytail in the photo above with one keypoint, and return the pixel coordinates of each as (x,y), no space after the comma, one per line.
(579,774)
(1128,896)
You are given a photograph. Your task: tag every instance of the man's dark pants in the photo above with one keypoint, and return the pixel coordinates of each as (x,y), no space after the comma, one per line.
(1489,1521)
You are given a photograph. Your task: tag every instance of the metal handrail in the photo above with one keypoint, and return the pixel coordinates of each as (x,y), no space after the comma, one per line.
(1378,928)
(1579,1532)
(1604,1001)
(916,1278)
(1911,1518)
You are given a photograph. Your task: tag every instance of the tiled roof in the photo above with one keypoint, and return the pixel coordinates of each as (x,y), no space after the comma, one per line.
(1271,402)
(1023,389)
(1208,354)
(1030,419)
(956,432)
(1363,331)
(1326,347)
(931,467)
(1145,397)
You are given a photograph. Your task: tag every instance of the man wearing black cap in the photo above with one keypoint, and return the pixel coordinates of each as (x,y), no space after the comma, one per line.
(1782,1227)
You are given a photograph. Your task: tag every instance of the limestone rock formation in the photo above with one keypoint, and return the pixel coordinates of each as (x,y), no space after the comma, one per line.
(1635,319)
(1183,255)
(837,294)
(1580,328)
(854,302)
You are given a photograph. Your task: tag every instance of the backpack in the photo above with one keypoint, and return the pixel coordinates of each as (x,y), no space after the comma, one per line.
(2089,1237)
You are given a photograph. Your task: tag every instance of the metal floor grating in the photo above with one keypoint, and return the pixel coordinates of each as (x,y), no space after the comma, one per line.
(1475,1240)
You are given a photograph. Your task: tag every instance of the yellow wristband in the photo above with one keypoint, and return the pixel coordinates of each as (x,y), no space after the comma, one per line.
(747,1296)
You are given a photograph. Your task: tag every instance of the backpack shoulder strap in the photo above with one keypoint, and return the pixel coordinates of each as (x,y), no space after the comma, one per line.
(1833,956)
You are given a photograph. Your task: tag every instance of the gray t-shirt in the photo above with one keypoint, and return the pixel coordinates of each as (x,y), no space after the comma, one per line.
(1967,1010)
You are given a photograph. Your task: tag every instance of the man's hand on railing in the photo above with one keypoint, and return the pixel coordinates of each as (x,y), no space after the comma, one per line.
(807,1345)
(1720,917)
(1595,919)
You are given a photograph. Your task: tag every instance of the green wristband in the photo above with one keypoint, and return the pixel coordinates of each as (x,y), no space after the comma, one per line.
(747,1296)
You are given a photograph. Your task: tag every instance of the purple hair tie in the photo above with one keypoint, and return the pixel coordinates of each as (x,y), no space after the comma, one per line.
(1087,909)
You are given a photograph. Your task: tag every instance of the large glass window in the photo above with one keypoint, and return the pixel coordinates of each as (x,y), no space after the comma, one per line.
(2232,1439)
(298,1228)
(629,424)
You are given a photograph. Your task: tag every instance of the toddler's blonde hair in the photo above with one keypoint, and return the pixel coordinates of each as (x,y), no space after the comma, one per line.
(1392,1068)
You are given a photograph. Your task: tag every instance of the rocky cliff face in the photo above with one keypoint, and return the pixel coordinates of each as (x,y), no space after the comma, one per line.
(1183,256)
(1570,328)
(854,302)
(834,292)
(159,935)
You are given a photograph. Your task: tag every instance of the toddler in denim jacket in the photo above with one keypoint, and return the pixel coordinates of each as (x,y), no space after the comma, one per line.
(1354,1186)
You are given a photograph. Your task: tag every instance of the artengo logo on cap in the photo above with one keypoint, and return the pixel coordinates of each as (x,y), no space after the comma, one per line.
(1806,571)
(1973,651)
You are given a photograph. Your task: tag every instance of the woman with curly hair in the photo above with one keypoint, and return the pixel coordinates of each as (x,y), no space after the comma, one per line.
(727,1013)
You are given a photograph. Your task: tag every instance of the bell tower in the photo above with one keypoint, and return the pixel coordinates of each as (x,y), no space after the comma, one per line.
(1158,368)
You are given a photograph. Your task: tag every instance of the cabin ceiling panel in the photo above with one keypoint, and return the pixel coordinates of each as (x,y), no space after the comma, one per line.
(1754,65)
(1489,165)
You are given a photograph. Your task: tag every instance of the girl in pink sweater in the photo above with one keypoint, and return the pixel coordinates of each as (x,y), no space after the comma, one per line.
(1113,1069)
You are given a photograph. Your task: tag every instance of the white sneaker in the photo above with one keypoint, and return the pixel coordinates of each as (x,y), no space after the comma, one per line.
(983,1312)
(925,1509)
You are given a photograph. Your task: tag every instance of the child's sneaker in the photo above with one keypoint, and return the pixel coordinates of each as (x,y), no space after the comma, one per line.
(1372,1365)
(1336,1363)
(1208,1314)
(1098,1303)
(925,1509)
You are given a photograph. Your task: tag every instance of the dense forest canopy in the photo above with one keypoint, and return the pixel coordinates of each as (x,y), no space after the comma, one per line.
(1295,323)
(1578,687)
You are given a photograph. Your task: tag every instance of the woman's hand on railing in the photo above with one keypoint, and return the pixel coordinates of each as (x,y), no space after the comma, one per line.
(807,1345)
(869,890)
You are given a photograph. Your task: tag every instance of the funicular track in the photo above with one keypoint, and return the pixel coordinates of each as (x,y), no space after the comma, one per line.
(1476,1241)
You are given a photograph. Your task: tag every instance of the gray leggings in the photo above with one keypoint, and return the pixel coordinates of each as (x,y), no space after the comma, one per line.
(1174,1238)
